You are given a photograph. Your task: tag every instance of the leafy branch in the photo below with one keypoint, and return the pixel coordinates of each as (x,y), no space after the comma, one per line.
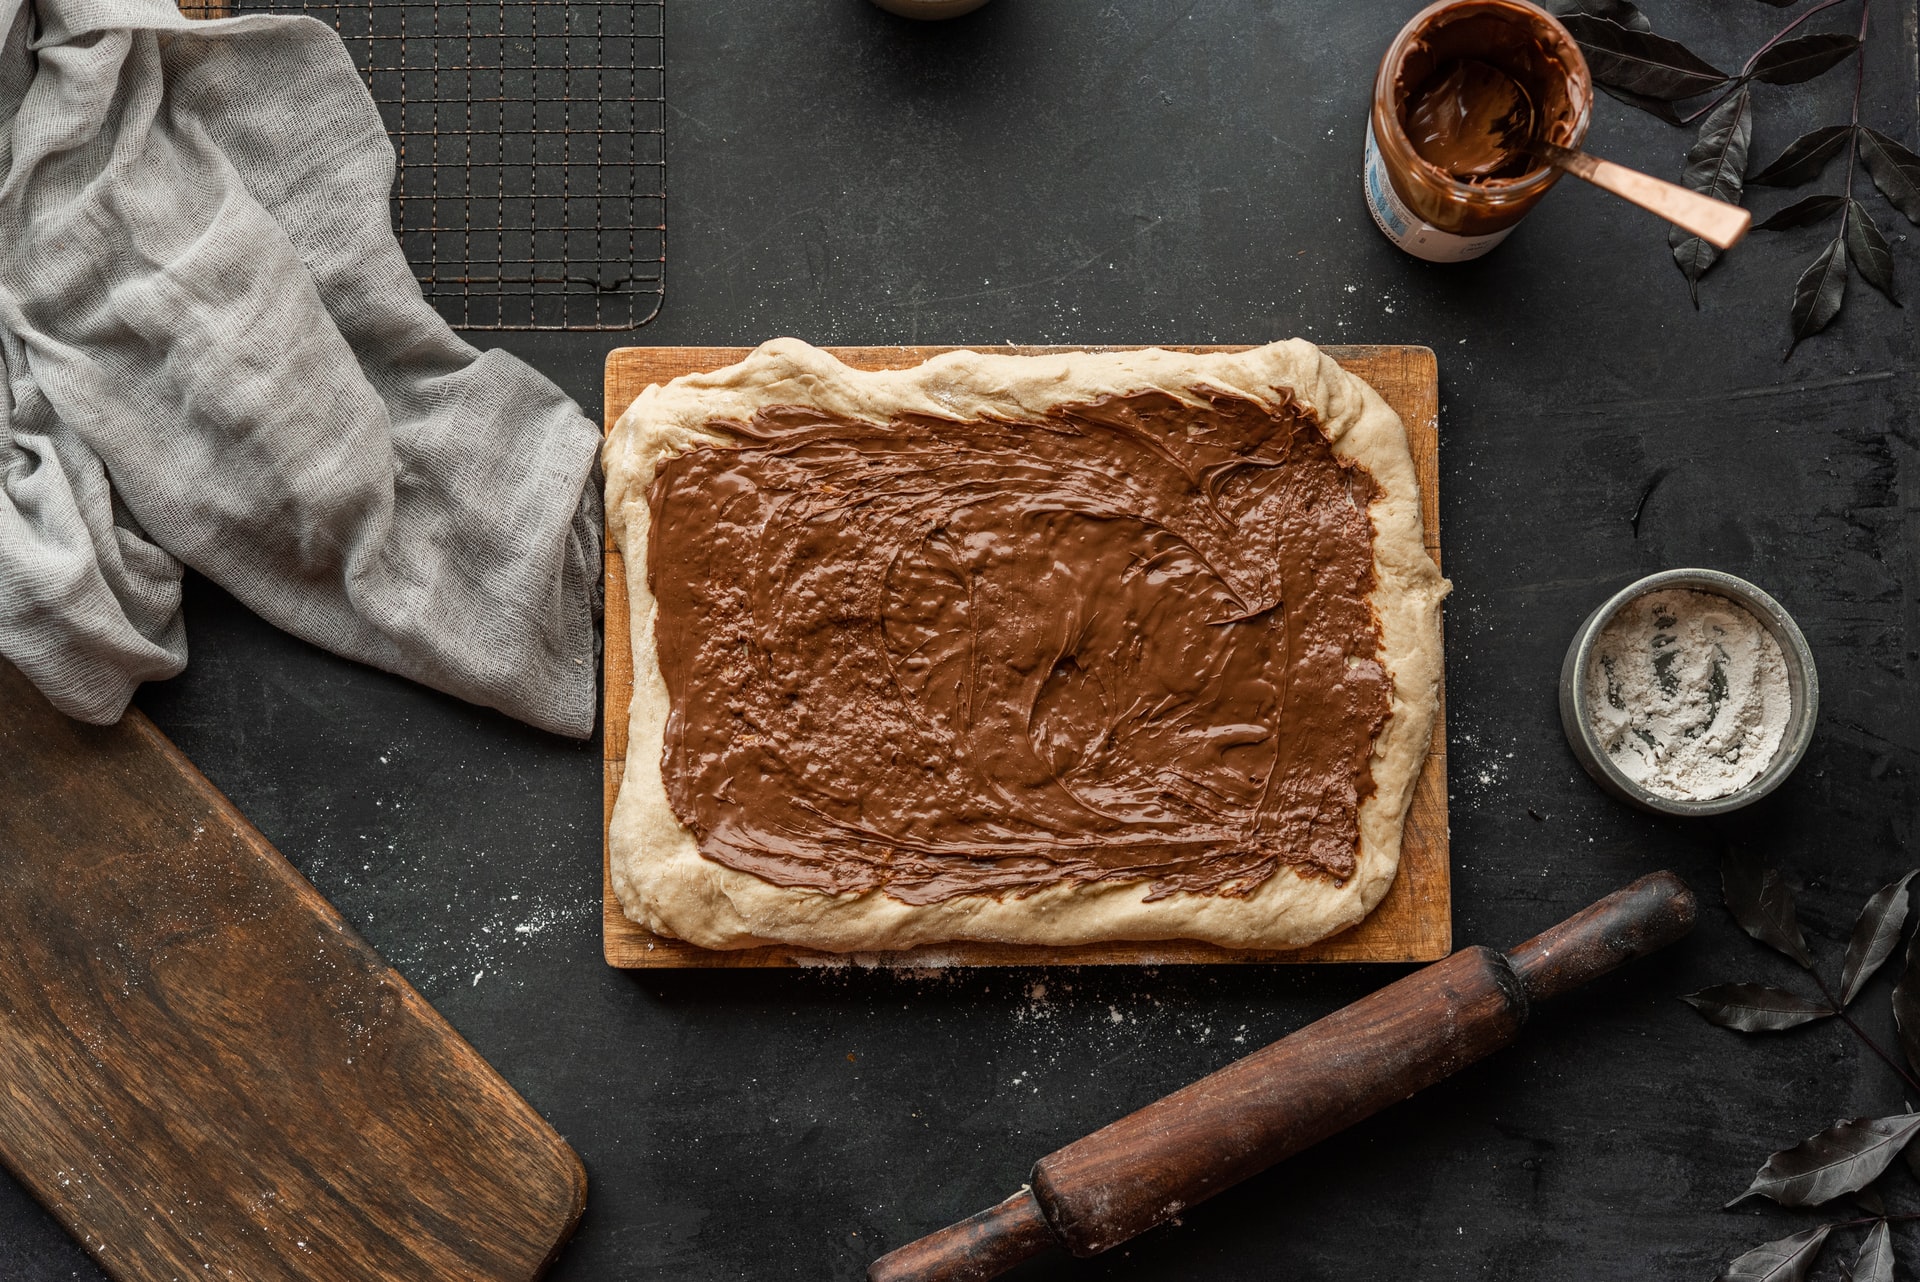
(1637,66)
(1845,1159)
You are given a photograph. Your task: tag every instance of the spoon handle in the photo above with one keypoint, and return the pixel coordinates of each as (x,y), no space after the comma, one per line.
(1714,221)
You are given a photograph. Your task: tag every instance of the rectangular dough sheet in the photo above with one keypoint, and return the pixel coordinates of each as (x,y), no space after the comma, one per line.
(658,872)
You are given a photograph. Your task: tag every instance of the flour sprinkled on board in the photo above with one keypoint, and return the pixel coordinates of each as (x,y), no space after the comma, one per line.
(1688,694)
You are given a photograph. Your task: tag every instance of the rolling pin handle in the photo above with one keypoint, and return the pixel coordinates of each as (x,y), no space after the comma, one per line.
(1631,922)
(977,1248)
(1139,1171)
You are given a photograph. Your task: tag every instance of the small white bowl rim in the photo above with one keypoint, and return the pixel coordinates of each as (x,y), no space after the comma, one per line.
(1802,676)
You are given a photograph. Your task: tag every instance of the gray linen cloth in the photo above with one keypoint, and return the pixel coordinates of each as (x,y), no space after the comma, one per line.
(217,356)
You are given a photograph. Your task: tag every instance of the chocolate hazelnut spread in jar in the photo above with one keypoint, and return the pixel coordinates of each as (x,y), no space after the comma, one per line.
(1461,90)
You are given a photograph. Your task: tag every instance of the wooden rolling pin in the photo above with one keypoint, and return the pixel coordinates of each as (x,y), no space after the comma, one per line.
(1149,1166)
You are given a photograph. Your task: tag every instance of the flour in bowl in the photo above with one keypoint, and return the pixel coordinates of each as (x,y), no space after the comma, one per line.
(1688,694)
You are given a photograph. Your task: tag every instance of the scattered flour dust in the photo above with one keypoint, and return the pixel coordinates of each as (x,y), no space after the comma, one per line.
(1688,694)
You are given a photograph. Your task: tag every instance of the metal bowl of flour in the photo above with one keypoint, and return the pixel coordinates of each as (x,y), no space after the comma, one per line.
(1803,689)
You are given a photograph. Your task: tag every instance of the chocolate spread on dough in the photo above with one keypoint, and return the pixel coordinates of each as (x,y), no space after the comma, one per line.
(1128,641)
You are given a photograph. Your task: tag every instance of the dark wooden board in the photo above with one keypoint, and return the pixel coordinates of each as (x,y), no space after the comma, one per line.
(206,1072)
(1414,922)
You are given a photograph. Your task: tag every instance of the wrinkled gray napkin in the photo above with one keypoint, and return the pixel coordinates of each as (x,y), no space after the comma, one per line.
(216,355)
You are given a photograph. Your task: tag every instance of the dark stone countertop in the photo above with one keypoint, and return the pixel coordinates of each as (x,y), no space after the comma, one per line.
(1064,171)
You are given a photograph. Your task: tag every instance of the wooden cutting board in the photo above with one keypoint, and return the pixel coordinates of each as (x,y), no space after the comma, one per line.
(1413,923)
(205,1073)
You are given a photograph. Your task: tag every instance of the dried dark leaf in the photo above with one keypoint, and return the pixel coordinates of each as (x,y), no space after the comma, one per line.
(1694,257)
(1760,900)
(1641,62)
(1877,933)
(1652,106)
(1906,1007)
(1844,1157)
(1792,61)
(1617,11)
(1717,167)
(1895,170)
(1867,249)
(1804,157)
(1819,292)
(1756,1008)
(1875,1261)
(1871,1201)
(1809,209)
(1787,1260)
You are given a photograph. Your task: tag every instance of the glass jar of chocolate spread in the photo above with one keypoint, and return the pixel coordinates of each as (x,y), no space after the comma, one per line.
(1462,90)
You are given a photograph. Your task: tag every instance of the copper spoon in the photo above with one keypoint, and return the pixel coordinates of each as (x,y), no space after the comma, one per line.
(1715,221)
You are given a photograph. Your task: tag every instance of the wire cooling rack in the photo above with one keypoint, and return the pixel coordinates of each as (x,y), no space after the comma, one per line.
(531,191)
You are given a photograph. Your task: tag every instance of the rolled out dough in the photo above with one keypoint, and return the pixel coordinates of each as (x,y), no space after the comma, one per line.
(665,884)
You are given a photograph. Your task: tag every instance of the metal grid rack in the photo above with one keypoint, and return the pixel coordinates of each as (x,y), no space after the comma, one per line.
(531,190)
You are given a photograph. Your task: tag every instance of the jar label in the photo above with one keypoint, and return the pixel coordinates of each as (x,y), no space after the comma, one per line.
(1407,229)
